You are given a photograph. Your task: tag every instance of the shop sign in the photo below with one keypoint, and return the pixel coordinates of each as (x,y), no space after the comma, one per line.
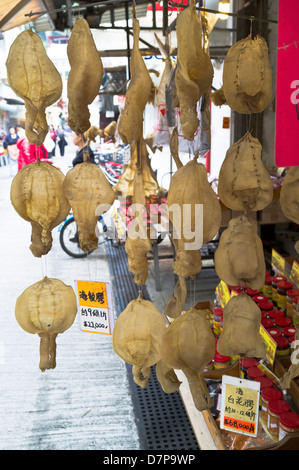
(278,262)
(287,87)
(270,345)
(95,312)
(294,276)
(223,294)
(240,405)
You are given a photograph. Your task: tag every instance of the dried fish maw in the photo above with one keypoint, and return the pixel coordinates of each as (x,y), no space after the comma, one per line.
(85,75)
(36,195)
(218,97)
(247,76)
(239,258)
(241,324)
(293,370)
(46,308)
(289,194)
(125,184)
(195,72)
(167,378)
(244,182)
(35,79)
(90,195)
(175,304)
(140,92)
(174,147)
(189,193)
(137,336)
(188,344)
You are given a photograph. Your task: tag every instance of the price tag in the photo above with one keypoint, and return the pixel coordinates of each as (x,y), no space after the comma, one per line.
(278,262)
(294,275)
(240,405)
(223,293)
(269,343)
(95,313)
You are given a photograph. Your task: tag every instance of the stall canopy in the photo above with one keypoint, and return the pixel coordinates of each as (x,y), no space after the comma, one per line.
(13,13)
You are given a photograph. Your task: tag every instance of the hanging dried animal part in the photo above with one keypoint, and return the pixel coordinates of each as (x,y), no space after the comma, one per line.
(35,79)
(293,370)
(46,308)
(85,76)
(125,184)
(176,303)
(36,195)
(188,344)
(90,195)
(289,194)
(140,92)
(239,258)
(247,76)
(174,147)
(244,182)
(138,243)
(167,378)
(195,215)
(241,325)
(137,337)
(160,97)
(218,97)
(195,72)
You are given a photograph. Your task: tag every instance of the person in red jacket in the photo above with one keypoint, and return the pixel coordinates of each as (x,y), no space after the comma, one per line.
(28,153)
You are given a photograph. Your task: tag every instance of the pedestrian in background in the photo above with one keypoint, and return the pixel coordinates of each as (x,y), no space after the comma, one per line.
(28,153)
(10,145)
(53,134)
(62,142)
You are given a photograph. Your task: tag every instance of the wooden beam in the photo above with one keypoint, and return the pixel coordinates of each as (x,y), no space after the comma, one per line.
(11,13)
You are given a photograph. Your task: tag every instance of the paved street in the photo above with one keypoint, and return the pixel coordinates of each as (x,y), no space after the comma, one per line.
(84,403)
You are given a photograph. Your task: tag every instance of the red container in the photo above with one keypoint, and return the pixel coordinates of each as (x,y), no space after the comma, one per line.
(289,331)
(264,381)
(245,364)
(274,332)
(265,305)
(275,408)
(288,423)
(268,394)
(283,322)
(254,372)
(267,323)
(283,346)
(259,298)
(273,314)
(252,292)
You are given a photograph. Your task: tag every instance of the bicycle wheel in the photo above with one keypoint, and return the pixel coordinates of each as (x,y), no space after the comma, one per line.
(69,240)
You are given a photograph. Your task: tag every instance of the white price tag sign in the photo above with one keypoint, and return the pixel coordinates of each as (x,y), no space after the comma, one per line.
(95,312)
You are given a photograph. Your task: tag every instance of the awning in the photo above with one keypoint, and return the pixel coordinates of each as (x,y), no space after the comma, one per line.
(12,12)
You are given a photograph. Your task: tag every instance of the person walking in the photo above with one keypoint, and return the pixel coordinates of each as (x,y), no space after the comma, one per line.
(10,145)
(53,134)
(62,142)
(80,142)
(28,153)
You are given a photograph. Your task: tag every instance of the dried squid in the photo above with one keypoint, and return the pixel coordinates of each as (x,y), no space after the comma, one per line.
(241,325)
(137,337)
(90,195)
(46,308)
(36,195)
(247,76)
(244,182)
(140,92)
(35,79)
(188,344)
(195,72)
(239,258)
(85,76)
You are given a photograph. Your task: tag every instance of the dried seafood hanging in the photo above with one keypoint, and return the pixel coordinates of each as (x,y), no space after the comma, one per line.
(188,344)
(239,258)
(125,185)
(46,308)
(138,243)
(137,337)
(167,378)
(195,72)
(244,182)
(90,195)
(35,79)
(140,92)
(247,76)
(85,75)
(241,324)
(289,194)
(36,195)
(293,370)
